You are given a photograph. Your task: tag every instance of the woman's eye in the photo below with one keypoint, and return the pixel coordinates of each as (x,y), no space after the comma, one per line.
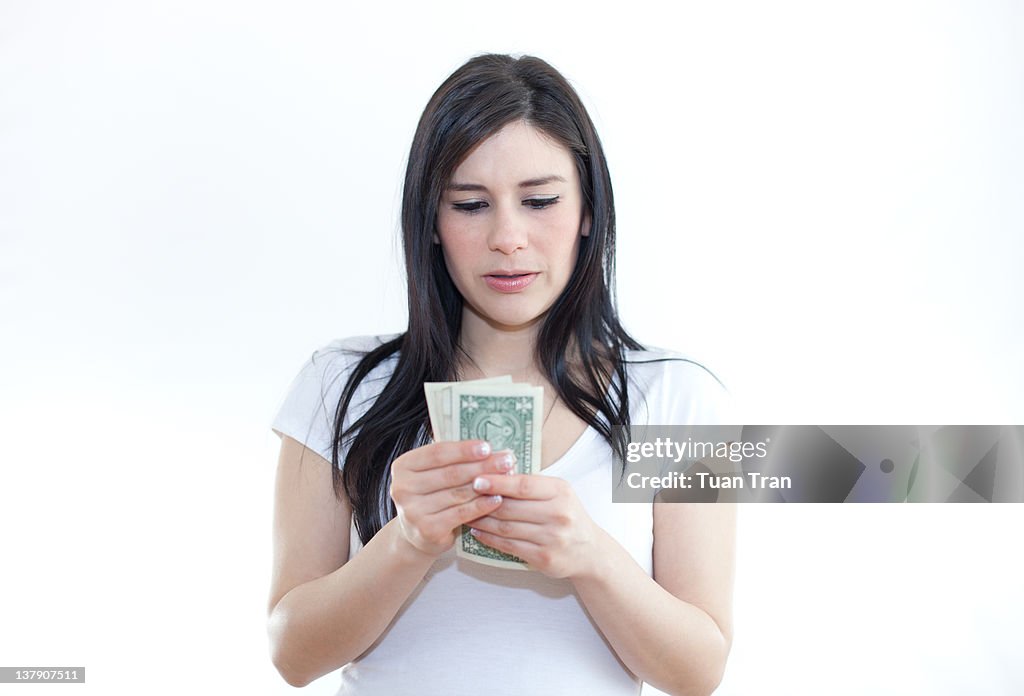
(469,206)
(532,203)
(540,203)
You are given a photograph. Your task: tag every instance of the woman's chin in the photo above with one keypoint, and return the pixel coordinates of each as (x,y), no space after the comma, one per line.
(508,321)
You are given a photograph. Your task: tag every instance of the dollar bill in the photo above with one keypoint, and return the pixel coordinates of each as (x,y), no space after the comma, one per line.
(439,404)
(506,415)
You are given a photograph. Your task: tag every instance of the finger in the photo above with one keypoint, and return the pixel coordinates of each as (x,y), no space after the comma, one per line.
(461,474)
(533,511)
(523,531)
(522,549)
(521,486)
(457,515)
(438,454)
(439,501)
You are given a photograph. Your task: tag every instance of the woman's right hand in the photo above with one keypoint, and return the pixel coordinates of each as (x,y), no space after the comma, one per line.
(432,487)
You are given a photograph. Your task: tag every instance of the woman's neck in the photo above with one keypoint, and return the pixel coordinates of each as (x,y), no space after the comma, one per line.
(498,350)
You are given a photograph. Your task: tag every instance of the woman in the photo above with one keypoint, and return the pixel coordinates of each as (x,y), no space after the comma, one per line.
(508,229)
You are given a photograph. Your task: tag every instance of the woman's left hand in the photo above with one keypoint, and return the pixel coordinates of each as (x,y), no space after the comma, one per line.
(541,521)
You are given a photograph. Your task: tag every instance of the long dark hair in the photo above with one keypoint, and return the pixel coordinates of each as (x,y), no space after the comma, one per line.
(476,101)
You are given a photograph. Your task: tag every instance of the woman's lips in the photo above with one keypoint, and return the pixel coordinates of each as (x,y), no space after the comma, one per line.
(509,283)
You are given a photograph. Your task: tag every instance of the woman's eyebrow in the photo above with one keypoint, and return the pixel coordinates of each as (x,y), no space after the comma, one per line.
(539,181)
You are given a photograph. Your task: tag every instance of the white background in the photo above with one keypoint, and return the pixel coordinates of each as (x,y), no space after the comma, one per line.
(820,201)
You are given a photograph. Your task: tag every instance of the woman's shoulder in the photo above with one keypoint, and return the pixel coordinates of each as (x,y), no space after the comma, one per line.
(342,354)
(332,363)
(306,413)
(354,345)
(678,386)
(669,364)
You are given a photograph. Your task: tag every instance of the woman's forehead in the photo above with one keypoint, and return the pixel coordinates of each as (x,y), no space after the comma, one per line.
(517,153)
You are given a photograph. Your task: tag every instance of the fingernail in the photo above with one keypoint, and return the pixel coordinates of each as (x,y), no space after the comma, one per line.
(483,449)
(481,484)
(495,498)
(508,461)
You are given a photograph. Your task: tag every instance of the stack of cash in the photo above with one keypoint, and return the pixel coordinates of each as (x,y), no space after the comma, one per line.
(505,414)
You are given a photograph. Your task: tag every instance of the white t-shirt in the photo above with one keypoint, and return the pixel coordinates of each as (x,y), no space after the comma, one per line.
(472,629)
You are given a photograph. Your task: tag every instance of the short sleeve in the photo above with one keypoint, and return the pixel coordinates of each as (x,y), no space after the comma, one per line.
(308,410)
(309,407)
(676,390)
(699,397)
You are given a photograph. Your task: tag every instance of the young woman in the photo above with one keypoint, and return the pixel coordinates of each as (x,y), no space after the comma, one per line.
(509,233)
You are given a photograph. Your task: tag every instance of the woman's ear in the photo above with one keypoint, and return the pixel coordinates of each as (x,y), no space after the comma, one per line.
(585,226)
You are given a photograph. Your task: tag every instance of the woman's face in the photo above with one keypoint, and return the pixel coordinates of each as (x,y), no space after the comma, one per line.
(509,225)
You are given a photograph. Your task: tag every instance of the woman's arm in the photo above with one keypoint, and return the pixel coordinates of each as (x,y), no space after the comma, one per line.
(324,612)
(326,623)
(673,630)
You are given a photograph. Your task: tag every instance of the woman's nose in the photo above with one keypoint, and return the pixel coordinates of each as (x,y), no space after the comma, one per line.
(508,233)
